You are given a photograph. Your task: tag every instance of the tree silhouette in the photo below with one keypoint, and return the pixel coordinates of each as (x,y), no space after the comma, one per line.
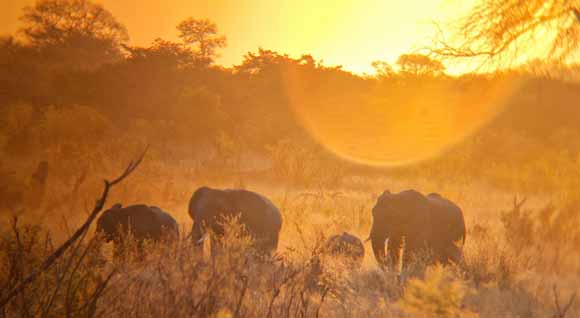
(503,31)
(383,69)
(77,31)
(419,65)
(163,53)
(202,34)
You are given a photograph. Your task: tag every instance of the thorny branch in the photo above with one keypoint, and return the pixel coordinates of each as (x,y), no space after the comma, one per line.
(561,312)
(49,261)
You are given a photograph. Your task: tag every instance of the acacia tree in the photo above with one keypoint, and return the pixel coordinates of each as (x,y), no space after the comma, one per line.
(419,65)
(202,34)
(508,31)
(75,31)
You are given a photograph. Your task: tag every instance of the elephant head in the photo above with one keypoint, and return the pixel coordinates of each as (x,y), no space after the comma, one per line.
(109,222)
(205,208)
(397,216)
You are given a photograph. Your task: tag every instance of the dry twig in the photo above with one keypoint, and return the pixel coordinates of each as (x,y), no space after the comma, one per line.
(49,261)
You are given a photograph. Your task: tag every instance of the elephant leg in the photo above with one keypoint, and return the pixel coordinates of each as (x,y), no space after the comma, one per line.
(410,254)
(451,254)
(117,251)
(140,249)
(419,251)
(394,252)
(267,245)
(216,246)
(273,244)
(410,251)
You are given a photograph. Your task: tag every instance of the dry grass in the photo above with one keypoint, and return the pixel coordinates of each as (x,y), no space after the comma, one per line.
(519,261)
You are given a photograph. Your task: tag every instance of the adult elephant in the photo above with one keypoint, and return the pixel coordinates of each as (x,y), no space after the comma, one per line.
(260,217)
(425,222)
(140,221)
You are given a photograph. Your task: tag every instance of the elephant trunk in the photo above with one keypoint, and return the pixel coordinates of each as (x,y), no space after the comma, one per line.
(198,236)
(378,238)
(378,244)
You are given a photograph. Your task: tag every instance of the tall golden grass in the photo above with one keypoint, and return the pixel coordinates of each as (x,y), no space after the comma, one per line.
(520,260)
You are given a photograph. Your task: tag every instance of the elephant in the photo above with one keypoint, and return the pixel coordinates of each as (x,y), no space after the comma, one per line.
(425,222)
(347,246)
(143,222)
(346,249)
(260,217)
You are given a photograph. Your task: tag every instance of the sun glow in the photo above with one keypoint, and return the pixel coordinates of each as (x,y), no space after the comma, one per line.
(403,127)
(343,32)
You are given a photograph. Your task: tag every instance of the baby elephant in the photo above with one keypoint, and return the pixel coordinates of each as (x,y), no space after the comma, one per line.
(344,249)
(347,247)
(141,221)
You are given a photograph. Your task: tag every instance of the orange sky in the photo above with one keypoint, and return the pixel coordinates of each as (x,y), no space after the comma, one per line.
(349,33)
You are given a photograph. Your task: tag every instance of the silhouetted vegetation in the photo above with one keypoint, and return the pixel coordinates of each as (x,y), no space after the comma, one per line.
(77,99)
(70,82)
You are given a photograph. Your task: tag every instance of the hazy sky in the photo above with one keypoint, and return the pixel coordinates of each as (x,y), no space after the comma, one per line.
(349,33)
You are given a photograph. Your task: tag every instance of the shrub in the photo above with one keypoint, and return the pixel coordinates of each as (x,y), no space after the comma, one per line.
(438,295)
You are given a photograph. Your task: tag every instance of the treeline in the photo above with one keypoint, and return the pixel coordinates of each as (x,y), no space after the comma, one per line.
(72,87)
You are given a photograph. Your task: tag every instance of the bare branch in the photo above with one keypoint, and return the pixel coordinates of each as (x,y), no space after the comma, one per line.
(132,166)
(98,293)
(561,312)
(49,261)
(518,205)
(508,31)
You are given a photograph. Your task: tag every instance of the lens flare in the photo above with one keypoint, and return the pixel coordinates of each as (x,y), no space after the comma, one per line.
(399,123)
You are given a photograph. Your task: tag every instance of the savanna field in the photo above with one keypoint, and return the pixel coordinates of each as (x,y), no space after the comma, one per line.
(80,105)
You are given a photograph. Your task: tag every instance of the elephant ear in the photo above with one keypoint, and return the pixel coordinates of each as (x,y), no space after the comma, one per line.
(386,193)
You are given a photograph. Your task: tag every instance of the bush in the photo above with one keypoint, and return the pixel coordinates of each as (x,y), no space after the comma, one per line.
(440,294)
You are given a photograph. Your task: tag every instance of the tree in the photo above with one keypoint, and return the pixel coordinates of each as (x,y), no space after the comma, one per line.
(383,69)
(161,52)
(57,21)
(74,31)
(203,35)
(507,31)
(419,65)
(255,63)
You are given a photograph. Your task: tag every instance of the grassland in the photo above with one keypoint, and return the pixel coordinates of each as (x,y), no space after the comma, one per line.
(519,262)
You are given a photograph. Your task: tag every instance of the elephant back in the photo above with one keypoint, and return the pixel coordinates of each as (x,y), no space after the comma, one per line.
(142,221)
(407,210)
(257,212)
(408,200)
(347,245)
(166,221)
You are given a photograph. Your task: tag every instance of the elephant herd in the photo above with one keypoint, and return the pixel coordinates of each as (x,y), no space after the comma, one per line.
(429,224)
